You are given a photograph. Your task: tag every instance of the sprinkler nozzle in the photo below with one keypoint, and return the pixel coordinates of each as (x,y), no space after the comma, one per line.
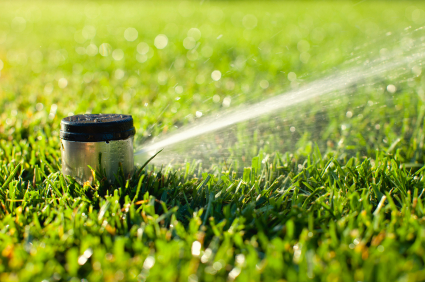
(101,141)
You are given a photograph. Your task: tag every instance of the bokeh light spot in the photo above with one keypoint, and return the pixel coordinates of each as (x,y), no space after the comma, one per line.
(36,56)
(200,78)
(119,73)
(91,50)
(141,58)
(18,24)
(317,35)
(131,34)
(216,15)
(216,75)
(207,51)
(226,101)
(178,89)
(161,41)
(185,9)
(142,48)
(391,88)
(105,49)
(304,57)
(39,107)
(192,55)
(196,248)
(194,33)
(62,82)
(303,46)
(292,76)
(48,88)
(89,32)
(79,38)
(264,84)
(249,21)
(118,54)
(189,43)
(417,70)
(162,78)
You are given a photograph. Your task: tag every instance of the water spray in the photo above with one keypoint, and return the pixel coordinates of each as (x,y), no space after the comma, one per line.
(102,141)
(217,139)
(188,143)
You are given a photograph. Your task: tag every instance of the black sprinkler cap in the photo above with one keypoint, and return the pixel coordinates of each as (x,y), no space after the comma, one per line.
(97,127)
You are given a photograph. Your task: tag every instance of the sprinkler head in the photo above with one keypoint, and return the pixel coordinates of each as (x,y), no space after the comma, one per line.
(101,141)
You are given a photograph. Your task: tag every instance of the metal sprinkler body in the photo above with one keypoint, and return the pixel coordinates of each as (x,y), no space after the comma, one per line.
(101,141)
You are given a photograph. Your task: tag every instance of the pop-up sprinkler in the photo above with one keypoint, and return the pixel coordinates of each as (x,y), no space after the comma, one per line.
(101,141)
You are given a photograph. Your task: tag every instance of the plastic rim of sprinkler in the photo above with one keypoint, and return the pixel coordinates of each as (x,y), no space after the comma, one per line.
(97,127)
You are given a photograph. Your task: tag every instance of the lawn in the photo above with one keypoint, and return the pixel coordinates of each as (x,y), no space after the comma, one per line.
(329,190)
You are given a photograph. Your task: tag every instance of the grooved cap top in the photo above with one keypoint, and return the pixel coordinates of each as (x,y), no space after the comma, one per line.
(97,127)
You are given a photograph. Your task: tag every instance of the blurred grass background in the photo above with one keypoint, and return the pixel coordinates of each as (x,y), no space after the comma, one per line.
(253,45)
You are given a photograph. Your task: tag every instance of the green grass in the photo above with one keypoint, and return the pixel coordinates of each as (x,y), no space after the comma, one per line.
(351,211)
